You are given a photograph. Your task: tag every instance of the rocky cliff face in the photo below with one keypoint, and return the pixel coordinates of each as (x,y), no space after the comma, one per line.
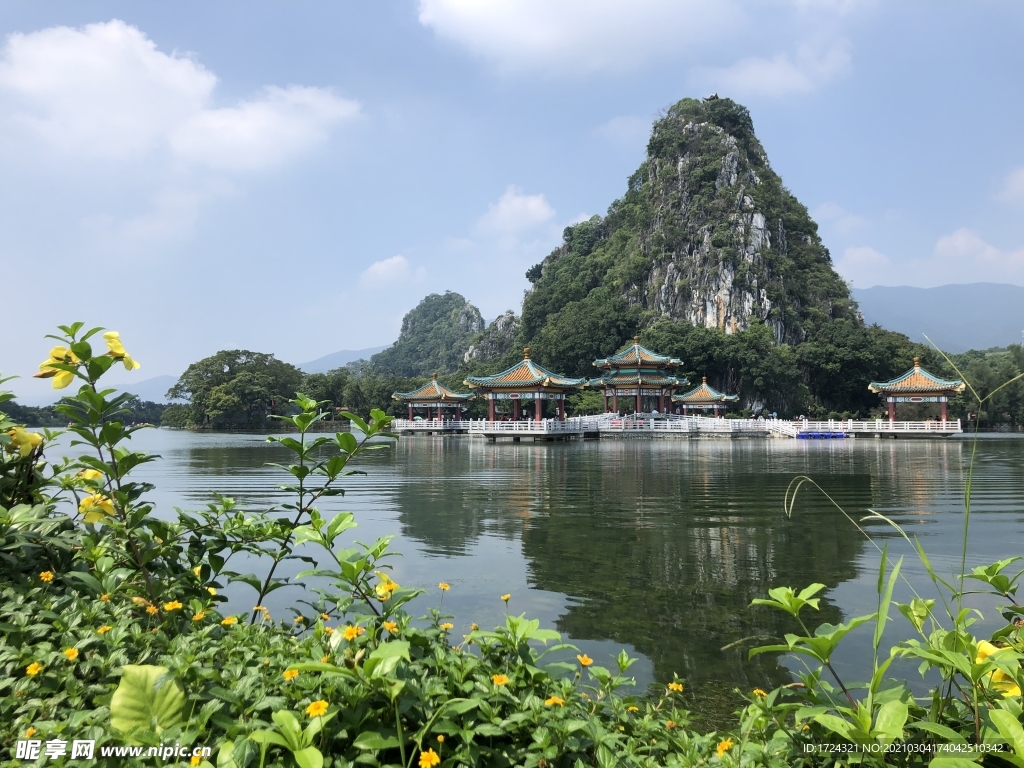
(495,342)
(706,233)
(434,337)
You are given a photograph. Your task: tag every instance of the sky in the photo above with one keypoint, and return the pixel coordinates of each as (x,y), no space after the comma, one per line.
(293,178)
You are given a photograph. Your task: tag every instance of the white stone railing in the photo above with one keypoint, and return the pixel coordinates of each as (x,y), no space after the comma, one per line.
(432,425)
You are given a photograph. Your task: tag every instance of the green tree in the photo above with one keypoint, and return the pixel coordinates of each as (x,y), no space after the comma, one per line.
(236,388)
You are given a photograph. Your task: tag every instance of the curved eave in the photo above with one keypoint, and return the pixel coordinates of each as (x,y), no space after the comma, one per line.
(916,381)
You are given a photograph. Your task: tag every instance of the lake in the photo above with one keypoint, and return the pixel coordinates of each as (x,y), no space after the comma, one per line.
(656,546)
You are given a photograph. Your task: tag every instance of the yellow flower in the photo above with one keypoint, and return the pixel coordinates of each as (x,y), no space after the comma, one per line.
(152,609)
(447,625)
(71,653)
(59,356)
(199,616)
(506,597)
(90,474)
(291,674)
(116,350)
(298,619)
(195,760)
(474,627)
(105,597)
(46,576)
(174,605)
(677,687)
(33,669)
(30,732)
(499,679)
(391,626)
(104,629)
(317,708)
(724,746)
(632,709)
(554,701)
(325,617)
(258,608)
(328,630)
(384,587)
(227,621)
(324,659)
(24,442)
(351,632)
(440,738)
(211,590)
(96,507)
(759,693)
(429,759)
(585,660)
(444,586)
(1000,681)
(670,725)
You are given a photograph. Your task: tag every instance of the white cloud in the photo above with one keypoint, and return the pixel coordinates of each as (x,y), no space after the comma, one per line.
(962,256)
(105,91)
(966,253)
(389,272)
(863,266)
(101,108)
(1013,187)
(516,212)
(780,75)
(838,218)
(578,36)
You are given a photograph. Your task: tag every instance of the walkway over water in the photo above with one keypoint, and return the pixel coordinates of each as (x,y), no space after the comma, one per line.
(610,425)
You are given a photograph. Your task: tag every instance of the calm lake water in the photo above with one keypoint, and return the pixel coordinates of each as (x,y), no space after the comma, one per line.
(653,546)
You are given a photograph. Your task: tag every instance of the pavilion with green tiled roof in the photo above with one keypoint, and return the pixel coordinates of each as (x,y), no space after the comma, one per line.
(704,397)
(433,394)
(917,386)
(526,380)
(637,372)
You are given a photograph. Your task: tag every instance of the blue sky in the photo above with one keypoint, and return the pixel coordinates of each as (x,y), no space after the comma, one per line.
(292,178)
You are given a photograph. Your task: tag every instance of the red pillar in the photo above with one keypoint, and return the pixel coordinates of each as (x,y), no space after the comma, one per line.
(661,401)
(615,401)
(606,401)
(892,410)
(490,408)
(561,408)
(716,410)
(537,407)
(686,410)
(638,401)
(942,407)
(515,410)
(410,411)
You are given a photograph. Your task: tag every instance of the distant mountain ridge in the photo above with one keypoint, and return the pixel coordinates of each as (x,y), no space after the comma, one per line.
(956,317)
(339,359)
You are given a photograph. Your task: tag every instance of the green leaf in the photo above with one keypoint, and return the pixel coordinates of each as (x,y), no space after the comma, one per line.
(290,729)
(309,757)
(890,720)
(836,725)
(139,704)
(1009,728)
(265,736)
(374,740)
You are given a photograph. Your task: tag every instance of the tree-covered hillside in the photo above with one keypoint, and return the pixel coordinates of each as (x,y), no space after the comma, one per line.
(434,338)
(706,233)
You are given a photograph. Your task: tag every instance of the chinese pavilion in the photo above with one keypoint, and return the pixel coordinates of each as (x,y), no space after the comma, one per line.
(917,386)
(704,398)
(638,373)
(525,381)
(433,395)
